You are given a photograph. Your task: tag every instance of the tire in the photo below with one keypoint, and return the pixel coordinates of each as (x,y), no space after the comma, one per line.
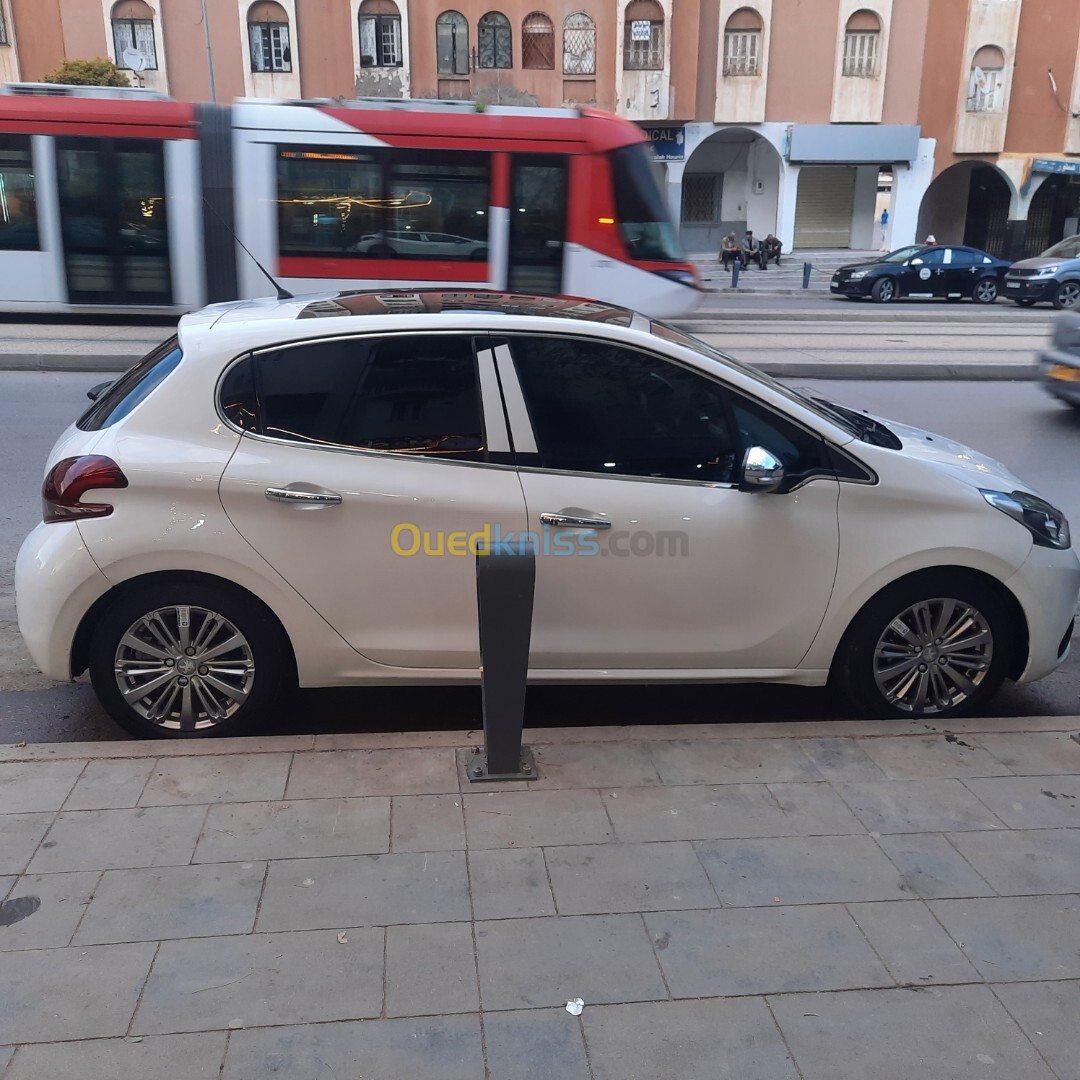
(1023,302)
(884,291)
(1067,296)
(985,291)
(248,679)
(871,641)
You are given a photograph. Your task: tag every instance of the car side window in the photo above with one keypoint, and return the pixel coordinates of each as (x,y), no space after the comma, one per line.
(933,258)
(407,394)
(802,453)
(602,408)
(963,258)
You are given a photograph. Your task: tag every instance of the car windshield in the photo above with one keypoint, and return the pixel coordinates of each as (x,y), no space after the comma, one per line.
(901,254)
(1069,248)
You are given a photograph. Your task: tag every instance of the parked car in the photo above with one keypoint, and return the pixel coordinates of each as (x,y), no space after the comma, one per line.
(1053,276)
(1059,365)
(420,245)
(294,490)
(924,272)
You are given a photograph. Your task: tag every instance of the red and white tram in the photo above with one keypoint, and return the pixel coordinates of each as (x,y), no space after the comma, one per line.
(125,201)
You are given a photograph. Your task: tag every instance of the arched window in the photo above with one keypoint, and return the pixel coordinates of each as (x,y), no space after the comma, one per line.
(643,36)
(538,42)
(986,85)
(862,37)
(380,34)
(452,43)
(579,44)
(742,43)
(494,47)
(268,37)
(133,36)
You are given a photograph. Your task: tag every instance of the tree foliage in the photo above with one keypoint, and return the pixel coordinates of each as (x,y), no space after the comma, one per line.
(96,72)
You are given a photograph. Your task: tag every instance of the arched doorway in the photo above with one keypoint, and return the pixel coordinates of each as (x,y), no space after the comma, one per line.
(731,183)
(1052,214)
(968,203)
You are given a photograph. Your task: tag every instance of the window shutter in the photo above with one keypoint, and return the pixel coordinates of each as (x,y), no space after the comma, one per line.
(368,44)
(258,60)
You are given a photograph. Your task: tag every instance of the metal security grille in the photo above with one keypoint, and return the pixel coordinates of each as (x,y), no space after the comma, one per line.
(538,42)
(824,205)
(984,90)
(643,45)
(137,35)
(742,49)
(579,45)
(699,201)
(494,47)
(860,53)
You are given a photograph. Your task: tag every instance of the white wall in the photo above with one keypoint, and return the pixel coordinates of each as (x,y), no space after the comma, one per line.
(9,53)
(865,233)
(643,95)
(909,186)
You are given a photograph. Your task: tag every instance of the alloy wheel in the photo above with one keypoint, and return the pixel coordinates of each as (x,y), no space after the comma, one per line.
(1068,295)
(933,655)
(184,668)
(986,291)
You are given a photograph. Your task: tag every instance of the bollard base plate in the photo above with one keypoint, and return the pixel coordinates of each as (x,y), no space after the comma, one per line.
(478,768)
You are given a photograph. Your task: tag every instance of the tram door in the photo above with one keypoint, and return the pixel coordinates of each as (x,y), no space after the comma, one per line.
(113,220)
(537,222)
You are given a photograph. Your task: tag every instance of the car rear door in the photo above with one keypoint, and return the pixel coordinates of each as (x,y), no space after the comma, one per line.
(960,272)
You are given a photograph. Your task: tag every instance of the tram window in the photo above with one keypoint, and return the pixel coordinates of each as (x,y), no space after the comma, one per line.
(18,204)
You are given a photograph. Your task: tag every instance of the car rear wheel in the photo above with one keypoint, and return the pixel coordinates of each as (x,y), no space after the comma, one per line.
(1067,296)
(933,644)
(187,659)
(884,290)
(985,291)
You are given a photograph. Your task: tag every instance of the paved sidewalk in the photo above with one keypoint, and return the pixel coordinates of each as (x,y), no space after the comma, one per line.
(824,901)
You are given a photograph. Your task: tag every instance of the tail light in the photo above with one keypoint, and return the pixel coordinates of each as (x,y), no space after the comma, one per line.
(69,479)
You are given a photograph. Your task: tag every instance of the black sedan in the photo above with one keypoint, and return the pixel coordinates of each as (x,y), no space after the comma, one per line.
(924,272)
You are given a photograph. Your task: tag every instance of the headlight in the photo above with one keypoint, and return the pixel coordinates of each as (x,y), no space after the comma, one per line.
(1047,525)
(1046,271)
(856,274)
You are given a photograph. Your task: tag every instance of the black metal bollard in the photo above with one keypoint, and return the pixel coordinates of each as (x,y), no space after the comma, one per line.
(735,266)
(505,580)
(806,268)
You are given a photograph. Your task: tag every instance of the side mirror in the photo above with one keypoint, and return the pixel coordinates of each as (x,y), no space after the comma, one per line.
(914,262)
(96,391)
(761,470)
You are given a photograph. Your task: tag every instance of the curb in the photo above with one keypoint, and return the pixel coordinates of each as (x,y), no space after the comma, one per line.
(68,361)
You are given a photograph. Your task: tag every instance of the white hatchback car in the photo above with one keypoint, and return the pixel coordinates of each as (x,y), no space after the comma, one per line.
(294,491)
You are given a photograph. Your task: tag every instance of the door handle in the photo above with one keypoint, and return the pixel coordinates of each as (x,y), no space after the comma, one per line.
(567,521)
(299,497)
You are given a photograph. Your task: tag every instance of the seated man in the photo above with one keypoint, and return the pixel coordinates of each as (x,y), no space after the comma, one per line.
(751,251)
(729,250)
(772,248)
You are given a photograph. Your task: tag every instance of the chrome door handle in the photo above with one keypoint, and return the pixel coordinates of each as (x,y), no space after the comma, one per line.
(565,521)
(303,498)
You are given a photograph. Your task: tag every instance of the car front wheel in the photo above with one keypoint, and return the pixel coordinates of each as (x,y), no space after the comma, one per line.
(930,645)
(187,659)
(985,291)
(884,290)
(1067,296)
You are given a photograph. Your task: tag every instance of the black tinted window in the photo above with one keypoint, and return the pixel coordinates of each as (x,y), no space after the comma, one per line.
(133,386)
(601,408)
(963,258)
(934,257)
(408,394)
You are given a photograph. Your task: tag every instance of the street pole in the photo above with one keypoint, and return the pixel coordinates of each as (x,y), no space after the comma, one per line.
(209,53)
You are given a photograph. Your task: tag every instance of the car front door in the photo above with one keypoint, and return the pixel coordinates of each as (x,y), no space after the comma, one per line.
(651,558)
(366,477)
(923,276)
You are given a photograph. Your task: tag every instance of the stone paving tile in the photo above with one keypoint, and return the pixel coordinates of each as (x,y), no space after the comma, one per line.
(117,839)
(535,819)
(91,992)
(31,787)
(20,835)
(208,984)
(690,1040)
(427,823)
(932,757)
(62,898)
(1021,937)
(152,904)
(597,879)
(430,970)
(539,963)
(305,828)
(841,759)
(344,773)
(509,883)
(959,1032)
(110,784)
(1047,1012)
(1032,802)
(466,760)
(737,762)
(814,810)
(365,890)
(733,952)
(911,942)
(1033,753)
(799,870)
(931,867)
(597,765)
(227,778)
(898,806)
(534,1045)
(1028,862)
(160,1057)
(431,1048)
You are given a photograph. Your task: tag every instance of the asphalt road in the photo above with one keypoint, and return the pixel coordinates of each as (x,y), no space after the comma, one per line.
(1015,422)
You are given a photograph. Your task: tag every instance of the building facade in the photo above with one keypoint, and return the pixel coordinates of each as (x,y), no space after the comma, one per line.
(803,118)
